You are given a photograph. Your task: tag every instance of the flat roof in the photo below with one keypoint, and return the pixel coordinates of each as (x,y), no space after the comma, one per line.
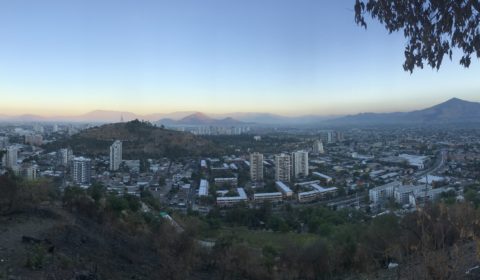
(241,196)
(322,189)
(267,194)
(229,178)
(430,179)
(322,175)
(389,185)
(282,186)
(203,189)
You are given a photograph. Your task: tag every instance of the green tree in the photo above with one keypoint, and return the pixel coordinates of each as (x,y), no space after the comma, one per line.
(134,203)
(96,191)
(117,203)
(161,181)
(9,190)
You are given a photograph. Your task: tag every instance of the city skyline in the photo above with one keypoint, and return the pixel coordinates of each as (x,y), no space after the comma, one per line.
(281,57)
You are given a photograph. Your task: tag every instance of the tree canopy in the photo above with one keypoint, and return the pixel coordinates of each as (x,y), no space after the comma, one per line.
(433,28)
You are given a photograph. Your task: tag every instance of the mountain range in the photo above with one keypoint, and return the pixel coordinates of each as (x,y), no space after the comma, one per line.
(200,119)
(175,118)
(454,110)
(451,111)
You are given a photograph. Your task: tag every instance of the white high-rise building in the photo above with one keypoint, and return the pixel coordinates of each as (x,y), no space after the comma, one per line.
(64,156)
(300,163)
(282,168)
(29,171)
(115,155)
(11,157)
(34,139)
(318,147)
(256,167)
(328,136)
(81,170)
(3,142)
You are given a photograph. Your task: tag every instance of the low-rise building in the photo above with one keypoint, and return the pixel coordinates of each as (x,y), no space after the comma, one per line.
(272,197)
(382,193)
(203,188)
(284,189)
(231,181)
(232,200)
(327,178)
(402,193)
(316,193)
(414,160)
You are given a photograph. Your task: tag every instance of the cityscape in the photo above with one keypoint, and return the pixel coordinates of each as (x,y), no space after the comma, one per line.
(161,140)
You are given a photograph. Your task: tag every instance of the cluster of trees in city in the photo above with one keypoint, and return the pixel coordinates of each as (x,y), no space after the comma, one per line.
(348,241)
(141,140)
(19,195)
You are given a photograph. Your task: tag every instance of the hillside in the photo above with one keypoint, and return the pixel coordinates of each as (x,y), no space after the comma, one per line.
(449,111)
(140,140)
(95,234)
(453,110)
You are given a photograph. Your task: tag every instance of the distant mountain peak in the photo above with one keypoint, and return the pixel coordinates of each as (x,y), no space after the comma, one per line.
(454,110)
(197,116)
(454,100)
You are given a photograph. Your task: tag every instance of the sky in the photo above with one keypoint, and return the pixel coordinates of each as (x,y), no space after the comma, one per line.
(291,57)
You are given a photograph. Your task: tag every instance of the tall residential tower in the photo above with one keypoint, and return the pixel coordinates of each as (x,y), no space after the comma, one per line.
(300,163)
(282,168)
(11,157)
(256,167)
(318,147)
(81,170)
(115,155)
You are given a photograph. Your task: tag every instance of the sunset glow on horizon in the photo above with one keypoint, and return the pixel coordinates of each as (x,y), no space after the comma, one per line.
(283,57)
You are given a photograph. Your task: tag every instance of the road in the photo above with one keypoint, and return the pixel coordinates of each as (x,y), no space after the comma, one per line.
(439,162)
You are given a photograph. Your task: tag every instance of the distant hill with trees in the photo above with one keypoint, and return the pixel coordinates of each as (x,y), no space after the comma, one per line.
(140,140)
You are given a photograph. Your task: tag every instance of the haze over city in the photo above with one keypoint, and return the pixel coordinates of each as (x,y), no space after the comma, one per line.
(284,57)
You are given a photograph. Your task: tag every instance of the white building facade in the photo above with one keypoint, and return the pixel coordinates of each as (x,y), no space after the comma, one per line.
(115,155)
(81,170)
(300,163)
(256,167)
(282,168)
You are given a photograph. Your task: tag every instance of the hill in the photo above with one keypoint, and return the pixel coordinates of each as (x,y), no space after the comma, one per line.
(107,116)
(140,140)
(454,110)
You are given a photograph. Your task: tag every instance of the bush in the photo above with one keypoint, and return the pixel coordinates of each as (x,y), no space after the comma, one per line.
(36,257)
(117,204)
(17,195)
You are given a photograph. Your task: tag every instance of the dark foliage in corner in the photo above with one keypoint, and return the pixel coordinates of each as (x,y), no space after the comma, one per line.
(433,28)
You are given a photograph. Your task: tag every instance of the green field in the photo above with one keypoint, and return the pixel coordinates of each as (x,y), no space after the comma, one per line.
(261,238)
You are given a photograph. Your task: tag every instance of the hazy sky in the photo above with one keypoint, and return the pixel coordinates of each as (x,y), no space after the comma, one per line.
(281,56)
